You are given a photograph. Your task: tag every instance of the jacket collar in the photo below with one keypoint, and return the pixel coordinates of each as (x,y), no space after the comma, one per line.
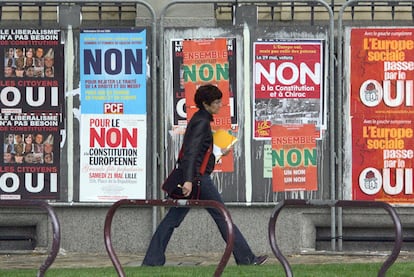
(205,113)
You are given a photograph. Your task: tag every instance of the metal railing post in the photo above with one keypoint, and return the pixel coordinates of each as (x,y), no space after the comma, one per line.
(55,226)
(341,203)
(170,203)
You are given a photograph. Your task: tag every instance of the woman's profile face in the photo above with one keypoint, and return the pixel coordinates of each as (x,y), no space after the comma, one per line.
(214,107)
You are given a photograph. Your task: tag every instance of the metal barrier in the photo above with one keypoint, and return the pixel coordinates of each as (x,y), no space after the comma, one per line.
(341,203)
(55,225)
(171,203)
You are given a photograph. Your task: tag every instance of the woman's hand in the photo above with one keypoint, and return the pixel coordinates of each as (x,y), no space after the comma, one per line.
(187,187)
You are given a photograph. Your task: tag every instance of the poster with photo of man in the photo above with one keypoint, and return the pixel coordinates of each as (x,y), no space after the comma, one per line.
(31,113)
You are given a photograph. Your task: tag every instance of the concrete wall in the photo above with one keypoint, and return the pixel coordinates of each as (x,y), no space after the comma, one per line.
(82,229)
(132,229)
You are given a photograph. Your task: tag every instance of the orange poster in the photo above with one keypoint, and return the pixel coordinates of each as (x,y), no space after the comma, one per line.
(205,61)
(382,114)
(294,157)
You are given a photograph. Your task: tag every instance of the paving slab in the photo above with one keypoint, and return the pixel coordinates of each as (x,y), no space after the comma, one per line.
(33,260)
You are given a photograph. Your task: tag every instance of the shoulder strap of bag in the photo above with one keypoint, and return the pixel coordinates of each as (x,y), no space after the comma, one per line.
(205,160)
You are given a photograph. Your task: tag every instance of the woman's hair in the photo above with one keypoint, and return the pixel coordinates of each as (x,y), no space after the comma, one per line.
(207,94)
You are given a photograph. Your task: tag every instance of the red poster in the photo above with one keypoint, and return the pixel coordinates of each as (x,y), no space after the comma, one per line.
(288,84)
(294,157)
(381,109)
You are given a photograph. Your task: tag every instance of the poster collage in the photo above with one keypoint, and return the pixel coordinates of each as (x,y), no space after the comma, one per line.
(288,107)
(289,110)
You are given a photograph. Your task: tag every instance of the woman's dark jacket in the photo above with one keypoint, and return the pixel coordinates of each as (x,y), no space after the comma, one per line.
(197,140)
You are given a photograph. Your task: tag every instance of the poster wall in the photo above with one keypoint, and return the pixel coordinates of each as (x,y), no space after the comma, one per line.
(288,110)
(32,113)
(113,114)
(381,110)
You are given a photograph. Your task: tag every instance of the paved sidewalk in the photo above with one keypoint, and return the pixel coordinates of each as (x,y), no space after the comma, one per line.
(33,260)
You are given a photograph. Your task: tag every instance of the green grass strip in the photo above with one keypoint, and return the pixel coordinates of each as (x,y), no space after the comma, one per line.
(404,269)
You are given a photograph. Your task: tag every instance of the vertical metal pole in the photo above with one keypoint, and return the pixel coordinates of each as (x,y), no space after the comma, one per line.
(156,94)
(332,122)
(69,58)
(340,96)
(247,115)
(340,120)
